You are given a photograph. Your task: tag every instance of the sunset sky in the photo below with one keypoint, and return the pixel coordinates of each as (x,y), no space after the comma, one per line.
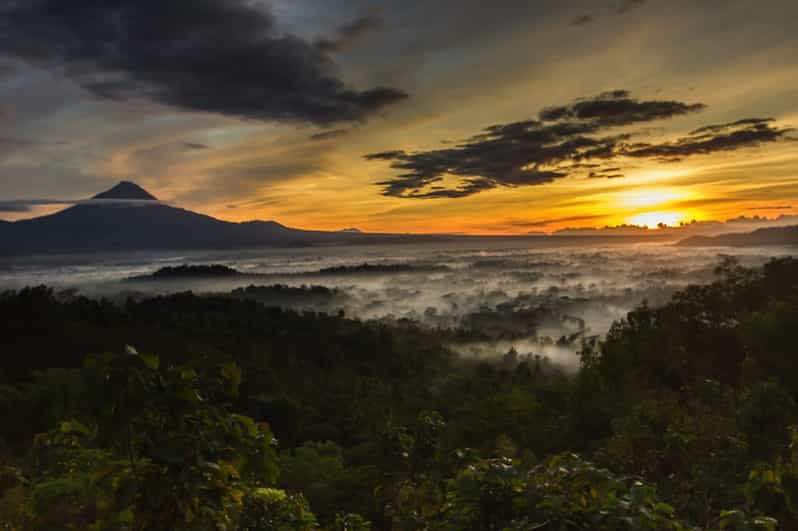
(329,114)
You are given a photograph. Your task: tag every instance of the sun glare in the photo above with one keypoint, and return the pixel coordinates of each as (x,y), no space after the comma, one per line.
(649,197)
(653,219)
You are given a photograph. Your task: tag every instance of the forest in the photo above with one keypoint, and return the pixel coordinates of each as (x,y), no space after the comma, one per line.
(219,412)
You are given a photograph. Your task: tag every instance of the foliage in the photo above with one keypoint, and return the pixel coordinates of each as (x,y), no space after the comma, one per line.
(564,492)
(679,419)
(162,449)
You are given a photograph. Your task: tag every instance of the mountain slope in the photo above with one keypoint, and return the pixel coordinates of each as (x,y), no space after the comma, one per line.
(116,226)
(757,238)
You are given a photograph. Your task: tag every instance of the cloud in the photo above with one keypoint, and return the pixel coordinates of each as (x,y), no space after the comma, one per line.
(26,142)
(219,56)
(772,207)
(350,33)
(565,140)
(624,7)
(8,68)
(7,206)
(545,222)
(606,173)
(194,146)
(582,20)
(327,135)
(618,108)
(28,205)
(744,133)
(629,5)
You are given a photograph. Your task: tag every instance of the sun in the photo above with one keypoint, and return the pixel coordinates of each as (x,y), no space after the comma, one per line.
(655,219)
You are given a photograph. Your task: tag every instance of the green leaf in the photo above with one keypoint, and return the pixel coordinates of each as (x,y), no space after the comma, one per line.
(231,373)
(151,361)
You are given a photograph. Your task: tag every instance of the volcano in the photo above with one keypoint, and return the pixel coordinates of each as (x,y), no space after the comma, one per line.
(127,218)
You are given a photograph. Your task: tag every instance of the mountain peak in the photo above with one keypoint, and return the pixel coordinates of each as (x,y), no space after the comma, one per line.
(126,190)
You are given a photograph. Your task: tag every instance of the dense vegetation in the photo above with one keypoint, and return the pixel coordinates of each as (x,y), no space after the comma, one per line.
(190,271)
(214,412)
(317,297)
(380,269)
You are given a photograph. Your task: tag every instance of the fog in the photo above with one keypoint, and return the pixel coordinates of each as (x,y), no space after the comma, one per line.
(493,297)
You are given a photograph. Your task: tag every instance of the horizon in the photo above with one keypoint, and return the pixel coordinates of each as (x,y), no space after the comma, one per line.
(129,193)
(547,117)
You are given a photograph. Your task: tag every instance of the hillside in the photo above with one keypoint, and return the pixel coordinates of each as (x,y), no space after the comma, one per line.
(205,409)
(757,238)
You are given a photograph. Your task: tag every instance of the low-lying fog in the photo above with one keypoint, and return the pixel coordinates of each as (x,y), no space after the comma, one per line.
(537,301)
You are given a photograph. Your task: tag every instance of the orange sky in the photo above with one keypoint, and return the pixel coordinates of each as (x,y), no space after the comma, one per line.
(736,58)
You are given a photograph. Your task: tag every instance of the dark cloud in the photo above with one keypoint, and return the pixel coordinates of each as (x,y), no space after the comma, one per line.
(566,140)
(385,155)
(195,146)
(563,141)
(350,33)
(222,56)
(606,173)
(582,20)
(718,128)
(618,108)
(11,206)
(624,7)
(629,5)
(28,205)
(327,135)
(744,133)
(8,69)
(772,207)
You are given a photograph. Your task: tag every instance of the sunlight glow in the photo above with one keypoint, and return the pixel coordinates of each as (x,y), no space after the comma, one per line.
(652,219)
(647,197)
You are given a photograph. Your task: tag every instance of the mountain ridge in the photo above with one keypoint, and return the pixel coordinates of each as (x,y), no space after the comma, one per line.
(759,238)
(142,224)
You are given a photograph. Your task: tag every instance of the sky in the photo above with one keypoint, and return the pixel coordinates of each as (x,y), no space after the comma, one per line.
(502,117)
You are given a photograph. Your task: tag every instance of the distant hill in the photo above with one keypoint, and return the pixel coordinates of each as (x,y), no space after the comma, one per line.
(381,269)
(187,271)
(757,238)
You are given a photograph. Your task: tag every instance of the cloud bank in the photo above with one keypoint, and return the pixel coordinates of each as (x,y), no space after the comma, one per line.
(28,205)
(565,140)
(220,56)
(350,33)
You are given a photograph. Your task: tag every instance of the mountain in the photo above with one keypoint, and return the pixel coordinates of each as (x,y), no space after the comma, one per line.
(757,238)
(126,190)
(127,217)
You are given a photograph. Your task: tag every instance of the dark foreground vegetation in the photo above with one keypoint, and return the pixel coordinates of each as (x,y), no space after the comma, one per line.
(382,269)
(208,413)
(190,271)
